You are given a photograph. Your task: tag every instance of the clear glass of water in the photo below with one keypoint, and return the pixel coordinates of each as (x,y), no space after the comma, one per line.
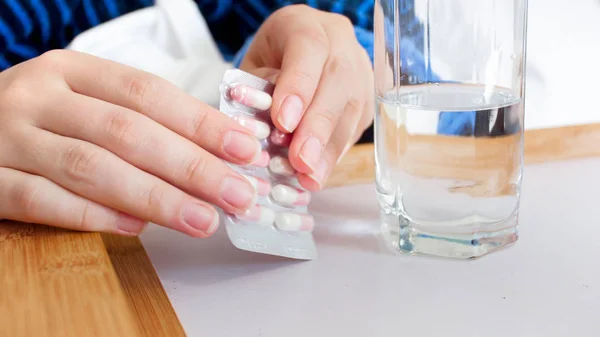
(449,123)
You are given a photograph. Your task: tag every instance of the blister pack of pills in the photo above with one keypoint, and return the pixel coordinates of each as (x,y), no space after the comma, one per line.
(279,223)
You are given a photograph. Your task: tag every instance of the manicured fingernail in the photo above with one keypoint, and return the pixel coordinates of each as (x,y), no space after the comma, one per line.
(260,129)
(263,160)
(290,113)
(238,192)
(311,152)
(319,173)
(241,146)
(200,217)
(263,187)
(129,225)
(250,97)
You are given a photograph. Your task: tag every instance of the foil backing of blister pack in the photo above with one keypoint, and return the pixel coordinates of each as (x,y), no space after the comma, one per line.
(250,235)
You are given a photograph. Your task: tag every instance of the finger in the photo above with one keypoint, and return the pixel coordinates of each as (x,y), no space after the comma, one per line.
(304,55)
(98,175)
(152,148)
(315,181)
(31,198)
(266,73)
(154,97)
(341,140)
(335,97)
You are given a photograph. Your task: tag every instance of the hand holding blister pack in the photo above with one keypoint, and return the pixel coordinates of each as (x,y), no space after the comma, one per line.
(279,223)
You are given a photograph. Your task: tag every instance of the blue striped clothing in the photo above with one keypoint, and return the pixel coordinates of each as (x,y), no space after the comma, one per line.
(30,27)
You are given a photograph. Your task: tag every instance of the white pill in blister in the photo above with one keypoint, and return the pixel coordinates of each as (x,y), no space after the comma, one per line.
(281,166)
(294,222)
(260,129)
(260,215)
(290,196)
(250,97)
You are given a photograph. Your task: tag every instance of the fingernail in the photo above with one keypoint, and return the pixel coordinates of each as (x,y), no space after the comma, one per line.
(200,217)
(260,129)
(311,152)
(263,160)
(290,113)
(238,192)
(262,187)
(129,225)
(250,97)
(318,175)
(241,146)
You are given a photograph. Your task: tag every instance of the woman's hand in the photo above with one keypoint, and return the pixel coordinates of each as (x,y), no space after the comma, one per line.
(324,85)
(92,145)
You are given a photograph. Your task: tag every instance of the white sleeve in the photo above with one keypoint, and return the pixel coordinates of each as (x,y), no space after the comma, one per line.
(170,39)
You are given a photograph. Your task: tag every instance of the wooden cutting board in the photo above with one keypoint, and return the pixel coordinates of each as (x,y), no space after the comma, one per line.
(55,282)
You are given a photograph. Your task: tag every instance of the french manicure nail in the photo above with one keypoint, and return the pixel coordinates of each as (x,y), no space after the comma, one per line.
(200,217)
(129,225)
(241,146)
(250,97)
(263,160)
(237,192)
(318,175)
(290,113)
(261,186)
(311,152)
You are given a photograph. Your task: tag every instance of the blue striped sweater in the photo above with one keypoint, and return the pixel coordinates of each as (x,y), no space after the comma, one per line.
(30,27)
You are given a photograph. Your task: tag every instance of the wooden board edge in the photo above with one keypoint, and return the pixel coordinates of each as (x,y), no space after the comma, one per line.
(144,291)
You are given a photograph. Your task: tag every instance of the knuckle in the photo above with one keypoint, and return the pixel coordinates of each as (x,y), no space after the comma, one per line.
(315,39)
(142,90)
(338,66)
(25,197)
(293,9)
(198,125)
(14,96)
(85,222)
(195,169)
(79,164)
(343,22)
(326,120)
(121,129)
(153,201)
(354,107)
(53,59)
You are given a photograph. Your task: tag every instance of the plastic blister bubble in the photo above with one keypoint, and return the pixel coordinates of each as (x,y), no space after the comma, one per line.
(279,224)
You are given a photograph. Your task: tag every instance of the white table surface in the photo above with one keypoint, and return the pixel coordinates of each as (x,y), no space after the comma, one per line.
(548,284)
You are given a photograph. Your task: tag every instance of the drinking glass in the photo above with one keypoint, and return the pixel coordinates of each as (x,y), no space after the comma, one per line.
(449,84)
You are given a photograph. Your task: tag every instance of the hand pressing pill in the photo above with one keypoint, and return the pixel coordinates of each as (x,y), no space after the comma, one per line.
(282,166)
(290,196)
(278,197)
(292,222)
(250,97)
